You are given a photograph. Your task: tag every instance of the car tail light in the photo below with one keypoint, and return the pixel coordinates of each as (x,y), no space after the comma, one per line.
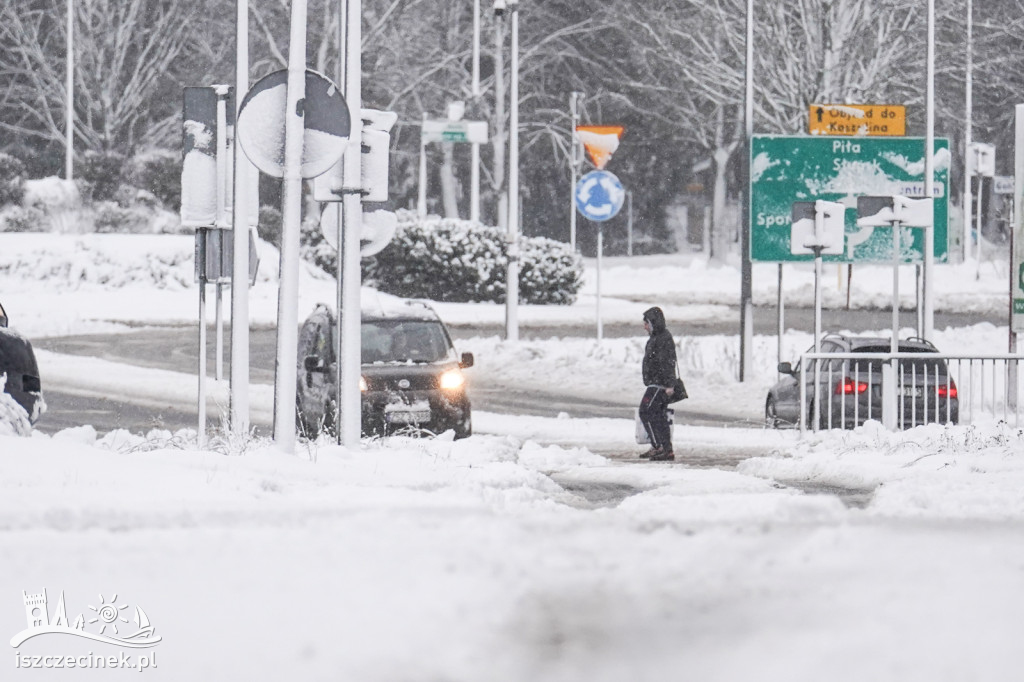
(946,391)
(848,386)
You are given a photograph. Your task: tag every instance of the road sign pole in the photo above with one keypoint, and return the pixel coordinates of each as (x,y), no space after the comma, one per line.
(890,377)
(600,250)
(421,199)
(201,267)
(746,266)
(351,345)
(239,371)
(574,164)
(291,210)
(928,268)
(981,195)
(512,281)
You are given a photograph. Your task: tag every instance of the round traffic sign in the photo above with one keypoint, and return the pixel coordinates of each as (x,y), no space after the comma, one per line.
(325,118)
(377,230)
(599,195)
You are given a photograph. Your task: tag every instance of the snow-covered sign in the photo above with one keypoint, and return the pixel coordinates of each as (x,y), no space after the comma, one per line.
(857,119)
(599,195)
(884,211)
(808,232)
(454,131)
(378,229)
(600,141)
(1002,184)
(374,169)
(325,119)
(199,165)
(982,159)
(788,169)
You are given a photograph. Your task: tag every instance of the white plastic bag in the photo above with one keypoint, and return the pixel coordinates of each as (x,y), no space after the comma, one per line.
(642,437)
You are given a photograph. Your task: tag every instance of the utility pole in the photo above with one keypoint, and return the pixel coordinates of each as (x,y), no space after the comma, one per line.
(69,103)
(574,162)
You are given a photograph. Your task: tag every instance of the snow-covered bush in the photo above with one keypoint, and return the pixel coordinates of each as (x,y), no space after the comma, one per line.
(458,261)
(101,174)
(110,216)
(158,171)
(12,180)
(23,219)
(269,226)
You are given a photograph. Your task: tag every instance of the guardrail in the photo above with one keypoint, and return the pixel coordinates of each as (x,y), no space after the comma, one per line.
(929,388)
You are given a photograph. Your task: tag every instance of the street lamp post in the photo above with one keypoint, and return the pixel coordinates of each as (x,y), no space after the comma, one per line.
(512,278)
(69,104)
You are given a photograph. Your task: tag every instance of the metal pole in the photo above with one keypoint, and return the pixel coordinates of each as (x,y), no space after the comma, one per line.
(746,269)
(476,48)
(339,303)
(201,234)
(890,371)
(421,200)
(817,328)
(574,143)
(243,178)
(222,224)
(928,269)
(600,250)
(968,87)
(351,344)
(629,223)
(288,291)
(781,319)
(512,282)
(981,196)
(69,102)
(474,173)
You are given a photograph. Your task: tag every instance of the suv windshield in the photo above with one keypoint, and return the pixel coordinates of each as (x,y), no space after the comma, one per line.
(405,341)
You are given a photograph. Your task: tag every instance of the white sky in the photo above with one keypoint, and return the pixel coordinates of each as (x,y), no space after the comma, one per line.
(470,560)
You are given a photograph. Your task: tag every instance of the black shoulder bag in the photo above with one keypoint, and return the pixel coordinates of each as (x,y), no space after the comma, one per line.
(678,389)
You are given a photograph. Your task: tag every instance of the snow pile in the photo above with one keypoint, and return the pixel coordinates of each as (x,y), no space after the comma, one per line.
(13,418)
(974,472)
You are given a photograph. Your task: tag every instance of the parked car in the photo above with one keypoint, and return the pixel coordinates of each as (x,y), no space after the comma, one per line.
(411,378)
(850,391)
(18,363)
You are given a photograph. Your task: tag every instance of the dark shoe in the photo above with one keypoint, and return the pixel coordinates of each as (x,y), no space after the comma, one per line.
(650,454)
(667,456)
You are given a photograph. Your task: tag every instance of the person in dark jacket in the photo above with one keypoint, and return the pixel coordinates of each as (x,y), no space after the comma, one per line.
(659,373)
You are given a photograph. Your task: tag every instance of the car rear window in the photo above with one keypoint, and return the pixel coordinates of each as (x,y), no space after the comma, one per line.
(917,365)
(405,341)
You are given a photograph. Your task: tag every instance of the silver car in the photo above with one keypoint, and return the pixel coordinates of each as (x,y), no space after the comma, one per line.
(850,391)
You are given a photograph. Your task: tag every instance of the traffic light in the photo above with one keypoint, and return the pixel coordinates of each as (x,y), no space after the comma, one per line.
(374,164)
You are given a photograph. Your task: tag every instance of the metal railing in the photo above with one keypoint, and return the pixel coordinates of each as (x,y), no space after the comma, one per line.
(930,388)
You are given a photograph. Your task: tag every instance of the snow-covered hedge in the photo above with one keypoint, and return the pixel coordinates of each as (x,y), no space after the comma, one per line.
(12,180)
(460,261)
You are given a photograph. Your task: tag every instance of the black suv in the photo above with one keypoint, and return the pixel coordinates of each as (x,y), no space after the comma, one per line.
(850,391)
(411,381)
(18,362)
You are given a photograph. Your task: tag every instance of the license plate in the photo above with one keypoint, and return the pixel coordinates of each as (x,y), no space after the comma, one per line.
(417,413)
(911,391)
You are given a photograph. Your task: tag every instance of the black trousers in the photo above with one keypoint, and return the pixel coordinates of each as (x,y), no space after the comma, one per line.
(654,417)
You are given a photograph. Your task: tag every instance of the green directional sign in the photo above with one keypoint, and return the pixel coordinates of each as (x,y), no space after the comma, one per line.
(787,169)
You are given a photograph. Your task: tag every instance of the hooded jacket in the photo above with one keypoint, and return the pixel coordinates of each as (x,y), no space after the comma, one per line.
(659,366)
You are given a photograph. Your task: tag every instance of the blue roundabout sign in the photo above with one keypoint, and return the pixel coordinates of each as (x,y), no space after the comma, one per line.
(599,195)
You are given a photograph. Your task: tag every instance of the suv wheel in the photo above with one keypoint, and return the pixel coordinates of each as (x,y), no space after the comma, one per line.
(771,417)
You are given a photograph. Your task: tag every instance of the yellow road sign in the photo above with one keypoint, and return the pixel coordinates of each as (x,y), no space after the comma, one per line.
(857,119)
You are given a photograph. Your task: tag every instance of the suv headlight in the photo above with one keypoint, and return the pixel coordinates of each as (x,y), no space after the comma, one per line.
(452,380)
(362,385)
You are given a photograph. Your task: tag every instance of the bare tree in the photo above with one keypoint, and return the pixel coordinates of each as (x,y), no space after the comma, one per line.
(124,53)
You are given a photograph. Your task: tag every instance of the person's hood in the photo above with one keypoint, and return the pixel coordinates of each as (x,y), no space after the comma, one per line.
(657,319)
